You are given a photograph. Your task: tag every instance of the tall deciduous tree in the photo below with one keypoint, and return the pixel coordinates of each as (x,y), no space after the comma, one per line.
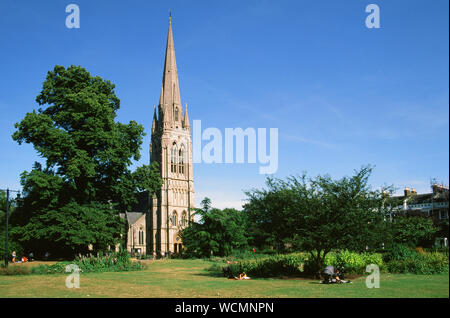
(12,244)
(88,154)
(218,232)
(318,214)
(413,230)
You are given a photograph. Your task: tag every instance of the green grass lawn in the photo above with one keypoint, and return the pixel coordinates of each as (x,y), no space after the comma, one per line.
(189,278)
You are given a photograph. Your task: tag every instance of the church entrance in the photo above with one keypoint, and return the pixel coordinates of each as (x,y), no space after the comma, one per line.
(177,248)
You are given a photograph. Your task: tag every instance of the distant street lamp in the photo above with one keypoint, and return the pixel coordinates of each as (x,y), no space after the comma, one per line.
(7,221)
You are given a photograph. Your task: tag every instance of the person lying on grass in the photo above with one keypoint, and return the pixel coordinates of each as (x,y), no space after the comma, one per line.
(241,276)
(333,275)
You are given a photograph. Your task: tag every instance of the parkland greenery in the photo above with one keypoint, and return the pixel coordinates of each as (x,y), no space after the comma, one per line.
(299,264)
(72,201)
(109,262)
(323,222)
(218,232)
(74,198)
(318,214)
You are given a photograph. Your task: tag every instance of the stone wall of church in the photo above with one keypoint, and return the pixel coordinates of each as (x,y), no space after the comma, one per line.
(136,237)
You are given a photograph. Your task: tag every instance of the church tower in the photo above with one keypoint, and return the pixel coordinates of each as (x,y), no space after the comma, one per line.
(170,146)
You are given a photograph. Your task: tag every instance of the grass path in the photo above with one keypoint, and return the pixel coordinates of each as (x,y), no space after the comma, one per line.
(189,278)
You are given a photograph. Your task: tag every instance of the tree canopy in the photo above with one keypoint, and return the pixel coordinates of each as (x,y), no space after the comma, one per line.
(413,230)
(86,178)
(317,214)
(217,232)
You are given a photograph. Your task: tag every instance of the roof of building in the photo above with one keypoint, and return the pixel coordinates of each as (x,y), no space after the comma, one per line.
(439,195)
(131,217)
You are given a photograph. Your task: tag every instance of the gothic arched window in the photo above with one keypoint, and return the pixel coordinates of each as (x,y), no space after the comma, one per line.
(173,159)
(184,218)
(181,159)
(141,237)
(174,218)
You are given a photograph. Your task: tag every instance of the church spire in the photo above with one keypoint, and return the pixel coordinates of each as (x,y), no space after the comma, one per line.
(186,117)
(170,100)
(155,120)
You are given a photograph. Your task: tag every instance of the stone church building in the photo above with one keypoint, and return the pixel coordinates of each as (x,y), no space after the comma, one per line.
(155,223)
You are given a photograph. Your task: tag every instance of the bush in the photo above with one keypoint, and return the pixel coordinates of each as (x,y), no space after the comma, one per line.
(269,266)
(237,256)
(441,249)
(14,270)
(57,268)
(352,262)
(396,266)
(299,264)
(425,263)
(399,252)
(115,262)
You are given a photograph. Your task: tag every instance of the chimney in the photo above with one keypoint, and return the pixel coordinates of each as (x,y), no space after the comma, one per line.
(413,191)
(406,191)
(435,187)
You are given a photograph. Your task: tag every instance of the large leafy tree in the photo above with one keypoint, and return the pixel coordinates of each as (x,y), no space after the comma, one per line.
(73,200)
(217,232)
(318,214)
(413,230)
(12,245)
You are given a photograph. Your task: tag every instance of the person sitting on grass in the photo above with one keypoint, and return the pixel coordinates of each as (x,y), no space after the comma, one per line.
(331,275)
(243,276)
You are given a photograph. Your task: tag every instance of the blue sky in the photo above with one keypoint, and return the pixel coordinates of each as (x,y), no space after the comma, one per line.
(341,95)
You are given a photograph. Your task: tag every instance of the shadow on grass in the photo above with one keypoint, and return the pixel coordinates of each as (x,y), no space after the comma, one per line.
(209,274)
(216,274)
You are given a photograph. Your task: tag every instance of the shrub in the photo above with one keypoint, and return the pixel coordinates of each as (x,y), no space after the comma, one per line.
(299,264)
(441,249)
(396,266)
(421,263)
(269,266)
(352,262)
(399,252)
(114,262)
(236,256)
(14,270)
(56,268)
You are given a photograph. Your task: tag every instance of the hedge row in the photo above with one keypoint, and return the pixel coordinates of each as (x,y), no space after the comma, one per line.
(298,264)
(115,262)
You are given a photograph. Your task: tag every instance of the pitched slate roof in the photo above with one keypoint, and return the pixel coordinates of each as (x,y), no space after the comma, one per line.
(131,217)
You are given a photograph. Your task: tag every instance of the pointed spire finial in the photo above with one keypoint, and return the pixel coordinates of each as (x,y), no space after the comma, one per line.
(154,123)
(170,88)
(170,15)
(154,113)
(186,117)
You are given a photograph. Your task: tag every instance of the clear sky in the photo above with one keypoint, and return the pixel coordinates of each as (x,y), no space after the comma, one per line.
(341,95)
